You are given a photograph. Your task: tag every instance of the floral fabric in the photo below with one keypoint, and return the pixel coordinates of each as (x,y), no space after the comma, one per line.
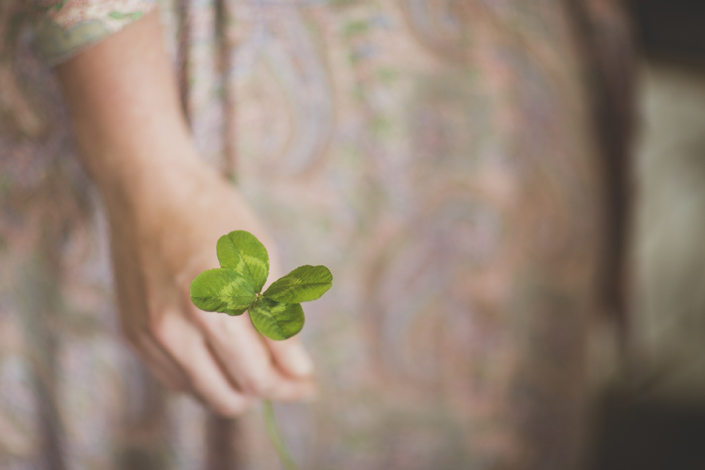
(71,25)
(438,156)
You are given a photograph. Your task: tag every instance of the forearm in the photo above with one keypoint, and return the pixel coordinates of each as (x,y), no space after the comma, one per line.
(136,146)
(125,110)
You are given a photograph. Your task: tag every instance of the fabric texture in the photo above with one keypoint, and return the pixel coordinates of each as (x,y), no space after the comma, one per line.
(439,157)
(71,25)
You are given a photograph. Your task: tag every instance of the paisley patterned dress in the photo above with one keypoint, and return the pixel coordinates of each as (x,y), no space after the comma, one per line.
(440,156)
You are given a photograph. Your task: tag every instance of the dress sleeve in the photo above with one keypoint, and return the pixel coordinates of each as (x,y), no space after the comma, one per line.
(65,27)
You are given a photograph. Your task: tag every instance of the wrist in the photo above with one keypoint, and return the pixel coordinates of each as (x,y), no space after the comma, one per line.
(129,169)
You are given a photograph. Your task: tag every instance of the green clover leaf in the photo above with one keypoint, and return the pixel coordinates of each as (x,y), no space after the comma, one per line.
(245,254)
(276,320)
(222,290)
(303,284)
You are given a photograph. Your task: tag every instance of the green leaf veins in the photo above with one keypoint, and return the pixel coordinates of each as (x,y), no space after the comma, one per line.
(303,284)
(276,320)
(222,290)
(241,251)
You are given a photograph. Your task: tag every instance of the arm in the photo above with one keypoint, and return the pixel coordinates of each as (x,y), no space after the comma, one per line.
(166,210)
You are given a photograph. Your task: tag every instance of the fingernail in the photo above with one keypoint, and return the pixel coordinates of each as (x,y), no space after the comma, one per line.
(298,361)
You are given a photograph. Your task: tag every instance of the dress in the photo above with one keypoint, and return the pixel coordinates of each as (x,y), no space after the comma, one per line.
(439,156)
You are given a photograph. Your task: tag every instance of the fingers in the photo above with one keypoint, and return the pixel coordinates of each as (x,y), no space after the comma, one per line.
(291,357)
(207,381)
(249,362)
(210,384)
(224,362)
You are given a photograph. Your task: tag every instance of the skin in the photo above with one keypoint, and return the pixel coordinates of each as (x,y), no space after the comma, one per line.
(166,211)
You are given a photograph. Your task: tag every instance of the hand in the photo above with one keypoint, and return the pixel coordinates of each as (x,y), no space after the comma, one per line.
(166,211)
(159,244)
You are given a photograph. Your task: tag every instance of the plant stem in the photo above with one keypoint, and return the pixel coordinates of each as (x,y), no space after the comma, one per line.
(276,436)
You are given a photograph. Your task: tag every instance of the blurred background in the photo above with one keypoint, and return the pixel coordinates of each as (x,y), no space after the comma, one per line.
(652,413)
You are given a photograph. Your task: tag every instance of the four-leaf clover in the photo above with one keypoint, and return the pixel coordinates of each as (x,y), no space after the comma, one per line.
(237,286)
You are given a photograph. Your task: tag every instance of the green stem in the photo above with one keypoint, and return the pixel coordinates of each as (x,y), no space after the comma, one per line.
(276,436)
